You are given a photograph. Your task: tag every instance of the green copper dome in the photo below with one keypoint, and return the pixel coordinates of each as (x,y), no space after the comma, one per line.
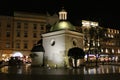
(62,24)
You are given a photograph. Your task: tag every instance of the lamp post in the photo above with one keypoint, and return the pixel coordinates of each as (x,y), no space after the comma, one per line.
(97,44)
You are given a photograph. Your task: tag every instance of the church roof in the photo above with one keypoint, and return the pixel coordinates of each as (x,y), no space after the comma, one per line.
(62,24)
(38,48)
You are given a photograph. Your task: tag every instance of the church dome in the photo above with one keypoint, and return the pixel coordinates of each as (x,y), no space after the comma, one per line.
(62,24)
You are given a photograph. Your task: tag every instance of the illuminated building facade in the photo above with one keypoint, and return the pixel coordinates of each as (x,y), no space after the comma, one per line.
(57,42)
(28,29)
(109,45)
(6,36)
(19,33)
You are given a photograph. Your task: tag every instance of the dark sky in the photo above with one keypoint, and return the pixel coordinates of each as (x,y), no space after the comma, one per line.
(106,12)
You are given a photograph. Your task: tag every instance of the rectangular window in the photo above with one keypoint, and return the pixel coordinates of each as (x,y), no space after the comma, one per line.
(18,25)
(18,45)
(34,35)
(8,45)
(18,34)
(25,34)
(34,26)
(25,25)
(7,34)
(42,27)
(8,25)
(25,45)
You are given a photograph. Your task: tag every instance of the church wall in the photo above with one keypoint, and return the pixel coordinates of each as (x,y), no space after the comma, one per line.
(57,44)
(54,50)
(72,39)
(38,59)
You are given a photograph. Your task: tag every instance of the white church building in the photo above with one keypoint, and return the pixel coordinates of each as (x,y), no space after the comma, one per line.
(58,41)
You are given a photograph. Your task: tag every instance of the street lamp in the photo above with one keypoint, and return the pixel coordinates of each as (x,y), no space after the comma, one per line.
(97,44)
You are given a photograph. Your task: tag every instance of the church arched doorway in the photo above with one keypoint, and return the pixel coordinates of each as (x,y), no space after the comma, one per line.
(76,55)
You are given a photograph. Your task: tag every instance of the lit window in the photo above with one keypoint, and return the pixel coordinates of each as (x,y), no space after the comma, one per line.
(101,50)
(105,34)
(115,31)
(108,35)
(112,36)
(98,44)
(112,50)
(93,43)
(112,30)
(106,50)
(118,31)
(118,50)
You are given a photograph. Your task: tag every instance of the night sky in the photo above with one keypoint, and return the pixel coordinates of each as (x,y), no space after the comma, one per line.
(106,12)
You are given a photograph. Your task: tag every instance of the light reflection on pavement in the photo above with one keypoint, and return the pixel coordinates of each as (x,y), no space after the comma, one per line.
(27,69)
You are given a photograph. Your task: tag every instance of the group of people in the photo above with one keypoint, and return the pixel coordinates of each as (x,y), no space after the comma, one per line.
(1,63)
(15,61)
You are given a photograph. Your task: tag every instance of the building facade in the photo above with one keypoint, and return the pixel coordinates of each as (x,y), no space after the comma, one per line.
(28,29)
(20,32)
(109,45)
(57,43)
(6,36)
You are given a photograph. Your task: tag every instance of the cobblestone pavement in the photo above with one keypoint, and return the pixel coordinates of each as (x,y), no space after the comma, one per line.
(103,72)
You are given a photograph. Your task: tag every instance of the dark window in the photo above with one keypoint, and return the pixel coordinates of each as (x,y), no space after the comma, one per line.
(8,45)
(42,27)
(25,25)
(17,45)
(25,45)
(18,34)
(34,35)
(7,34)
(74,43)
(52,42)
(35,26)
(8,25)
(25,34)
(18,25)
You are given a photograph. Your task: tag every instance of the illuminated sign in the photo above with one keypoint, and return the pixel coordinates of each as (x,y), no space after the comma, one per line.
(89,23)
